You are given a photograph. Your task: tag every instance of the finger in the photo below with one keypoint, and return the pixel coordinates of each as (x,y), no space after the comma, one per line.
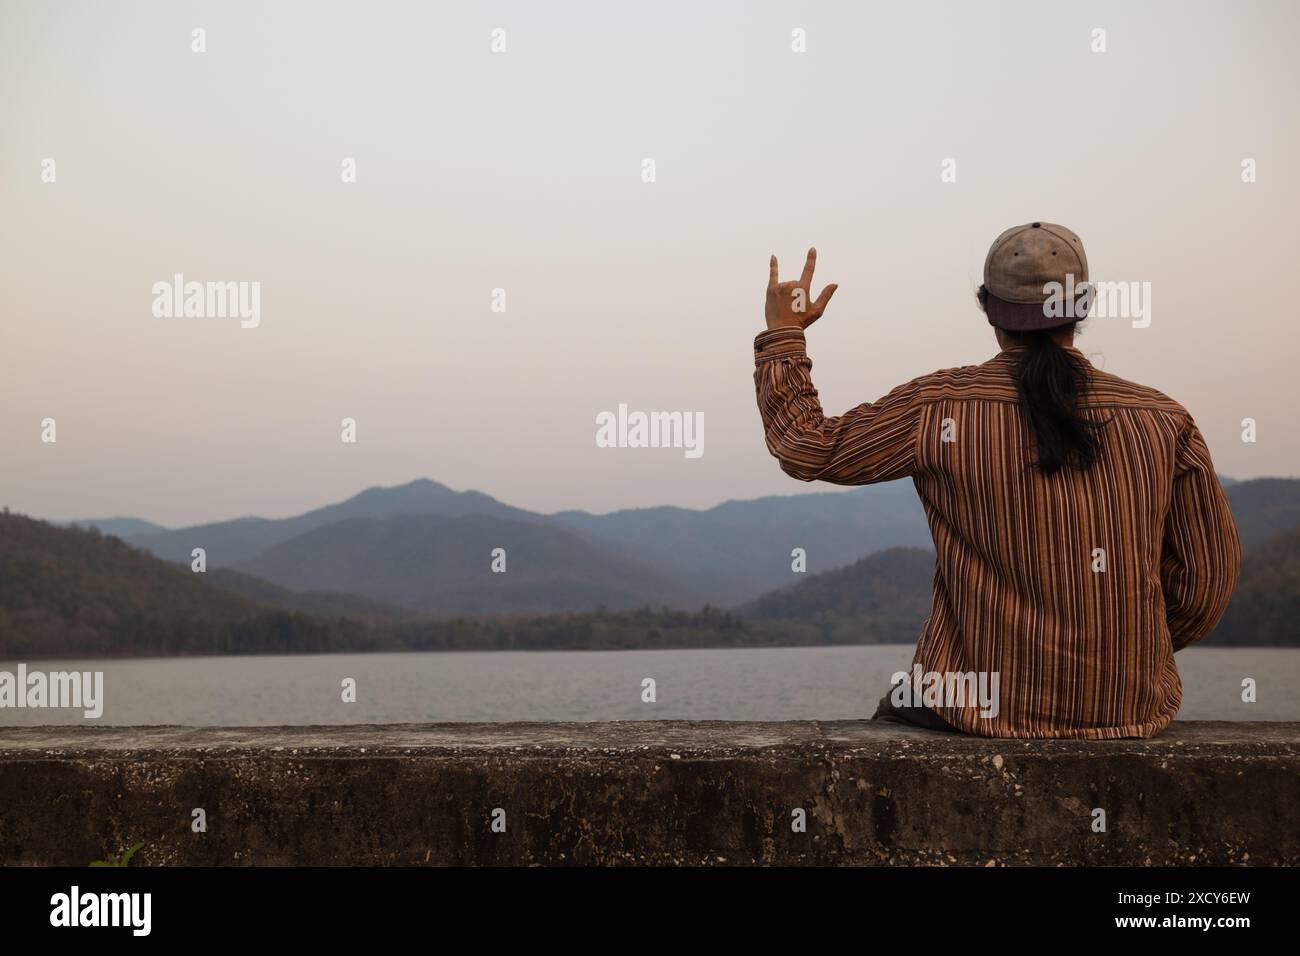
(771,275)
(820,305)
(806,279)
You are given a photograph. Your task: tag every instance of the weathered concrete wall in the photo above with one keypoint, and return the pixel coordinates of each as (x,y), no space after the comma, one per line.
(655,792)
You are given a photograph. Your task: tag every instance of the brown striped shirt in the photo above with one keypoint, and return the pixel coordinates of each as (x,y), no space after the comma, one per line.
(1083,648)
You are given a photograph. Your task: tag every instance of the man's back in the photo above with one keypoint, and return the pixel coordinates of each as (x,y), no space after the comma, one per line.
(1075,588)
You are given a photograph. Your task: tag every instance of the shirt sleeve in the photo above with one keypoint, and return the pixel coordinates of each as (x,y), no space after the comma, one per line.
(1202,552)
(872,442)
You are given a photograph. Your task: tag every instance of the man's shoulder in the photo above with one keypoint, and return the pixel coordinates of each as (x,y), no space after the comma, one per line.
(993,381)
(1107,388)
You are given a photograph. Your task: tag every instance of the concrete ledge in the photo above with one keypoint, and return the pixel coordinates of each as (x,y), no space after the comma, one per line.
(670,792)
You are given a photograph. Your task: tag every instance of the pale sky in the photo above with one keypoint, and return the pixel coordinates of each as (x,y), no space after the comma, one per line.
(522,170)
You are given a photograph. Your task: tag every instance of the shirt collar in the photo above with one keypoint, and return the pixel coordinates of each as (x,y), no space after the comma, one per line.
(1012,350)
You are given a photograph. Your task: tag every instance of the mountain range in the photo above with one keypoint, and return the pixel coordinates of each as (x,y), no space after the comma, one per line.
(426,547)
(381,568)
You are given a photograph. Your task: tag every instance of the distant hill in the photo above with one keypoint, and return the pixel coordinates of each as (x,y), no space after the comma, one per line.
(740,549)
(442,566)
(1264,506)
(121,527)
(321,603)
(1265,608)
(884,598)
(227,543)
(76,592)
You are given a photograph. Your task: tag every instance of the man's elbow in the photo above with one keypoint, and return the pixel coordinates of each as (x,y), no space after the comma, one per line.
(797,469)
(795,465)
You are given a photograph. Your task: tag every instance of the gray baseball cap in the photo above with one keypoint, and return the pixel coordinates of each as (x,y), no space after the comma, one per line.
(1022,264)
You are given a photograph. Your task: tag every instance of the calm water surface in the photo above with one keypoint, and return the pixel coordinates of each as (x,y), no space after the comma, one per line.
(821,683)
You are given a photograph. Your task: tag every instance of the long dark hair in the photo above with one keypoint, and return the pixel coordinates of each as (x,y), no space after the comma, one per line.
(1050,381)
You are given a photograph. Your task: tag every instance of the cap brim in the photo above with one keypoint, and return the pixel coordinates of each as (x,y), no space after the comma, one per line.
(1024,316)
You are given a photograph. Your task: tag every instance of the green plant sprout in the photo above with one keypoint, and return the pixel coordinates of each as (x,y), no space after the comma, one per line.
(123,860)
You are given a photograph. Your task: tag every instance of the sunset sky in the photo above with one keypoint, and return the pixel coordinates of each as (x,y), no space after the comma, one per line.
(522,171)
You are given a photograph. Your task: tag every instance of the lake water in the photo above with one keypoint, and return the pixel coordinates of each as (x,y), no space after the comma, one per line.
(822,683)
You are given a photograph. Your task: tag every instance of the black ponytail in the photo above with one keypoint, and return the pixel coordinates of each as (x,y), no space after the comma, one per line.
(1050,381)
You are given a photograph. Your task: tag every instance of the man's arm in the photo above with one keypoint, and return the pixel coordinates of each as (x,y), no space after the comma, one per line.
(1202,552)
(872,442)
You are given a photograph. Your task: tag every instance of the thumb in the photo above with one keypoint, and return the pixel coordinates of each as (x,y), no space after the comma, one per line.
(822,300)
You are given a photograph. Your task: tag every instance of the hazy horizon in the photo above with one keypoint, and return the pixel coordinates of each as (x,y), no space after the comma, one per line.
(522,171)
(801,489)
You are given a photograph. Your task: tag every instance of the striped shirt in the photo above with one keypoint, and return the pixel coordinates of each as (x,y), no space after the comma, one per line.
(1075,588)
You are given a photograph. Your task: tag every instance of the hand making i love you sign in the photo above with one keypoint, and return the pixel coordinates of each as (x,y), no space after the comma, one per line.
(788,305)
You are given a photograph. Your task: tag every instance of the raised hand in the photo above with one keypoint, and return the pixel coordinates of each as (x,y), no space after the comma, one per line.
(788,305)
